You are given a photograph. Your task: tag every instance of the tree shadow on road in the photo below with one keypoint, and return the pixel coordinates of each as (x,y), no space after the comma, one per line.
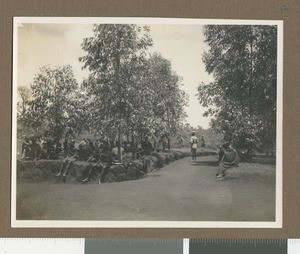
(205,163)
(152,175)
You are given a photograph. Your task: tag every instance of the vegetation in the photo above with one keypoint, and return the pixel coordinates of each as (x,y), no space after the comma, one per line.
(128,91)
(242,99)
(55,104)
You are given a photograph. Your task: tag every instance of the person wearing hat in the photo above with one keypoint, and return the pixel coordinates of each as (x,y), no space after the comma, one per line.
(193,142)
(230,158)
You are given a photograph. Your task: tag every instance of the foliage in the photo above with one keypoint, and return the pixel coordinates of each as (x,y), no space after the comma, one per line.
(55,104)
(129,92)
(213,139)
(168,99)
(24,94)
(114,58)
(243,61)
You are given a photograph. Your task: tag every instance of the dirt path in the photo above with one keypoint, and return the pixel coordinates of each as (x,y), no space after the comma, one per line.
(179,191)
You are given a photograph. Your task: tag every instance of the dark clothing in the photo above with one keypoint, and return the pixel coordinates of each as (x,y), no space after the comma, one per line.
(221,154)
(147,147)
(25,148)
(202,142)
(230,159)
(194,153)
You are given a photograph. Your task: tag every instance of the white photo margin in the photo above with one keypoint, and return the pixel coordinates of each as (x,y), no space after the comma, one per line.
(150,224)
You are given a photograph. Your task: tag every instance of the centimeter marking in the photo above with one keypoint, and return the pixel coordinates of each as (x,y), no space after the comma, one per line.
(234,241)
(42,245)
(185,246)
(136,240)
(204,241)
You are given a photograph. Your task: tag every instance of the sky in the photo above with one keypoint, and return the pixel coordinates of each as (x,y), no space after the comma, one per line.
(59,44)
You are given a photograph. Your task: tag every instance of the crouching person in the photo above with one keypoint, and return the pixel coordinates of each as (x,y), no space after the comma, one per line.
(230,158)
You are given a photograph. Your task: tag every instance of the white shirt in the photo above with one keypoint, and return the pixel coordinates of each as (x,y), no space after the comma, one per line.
(194,141)
(115,150)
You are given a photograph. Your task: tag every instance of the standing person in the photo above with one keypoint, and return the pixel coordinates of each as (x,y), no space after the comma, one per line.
(194,141)
(202,142)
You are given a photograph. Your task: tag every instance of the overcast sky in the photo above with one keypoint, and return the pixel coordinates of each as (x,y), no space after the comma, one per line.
(57,44)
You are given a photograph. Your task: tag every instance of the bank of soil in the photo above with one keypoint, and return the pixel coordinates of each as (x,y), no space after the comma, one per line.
(36,171)
(182,190)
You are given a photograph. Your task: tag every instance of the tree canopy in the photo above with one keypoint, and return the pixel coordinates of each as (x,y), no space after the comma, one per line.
(55,105)
(127,88)
(168,99)
(243,62)
(24,93)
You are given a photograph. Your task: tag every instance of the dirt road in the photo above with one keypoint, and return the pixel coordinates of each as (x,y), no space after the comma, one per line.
(180,191)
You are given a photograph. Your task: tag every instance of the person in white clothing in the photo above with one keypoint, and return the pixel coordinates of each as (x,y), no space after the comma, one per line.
(194,141)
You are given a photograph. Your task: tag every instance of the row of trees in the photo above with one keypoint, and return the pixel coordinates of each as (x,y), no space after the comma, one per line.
(242,99)
(128,91)
(212,139)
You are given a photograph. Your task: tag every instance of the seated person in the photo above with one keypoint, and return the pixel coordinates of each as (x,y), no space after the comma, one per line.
(221,154)
(26,145)
(147,147)
(66,165)
(66,146)
(228,160)
(115,152)
(57,148)
(35,148)
(71,147)
(95,165)
(85,151)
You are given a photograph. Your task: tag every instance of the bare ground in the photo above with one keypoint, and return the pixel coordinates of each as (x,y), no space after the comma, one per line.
(180,191)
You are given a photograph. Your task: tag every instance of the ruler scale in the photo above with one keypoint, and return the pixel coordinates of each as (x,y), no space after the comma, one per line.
(237,246)
(132,246)
(147,246)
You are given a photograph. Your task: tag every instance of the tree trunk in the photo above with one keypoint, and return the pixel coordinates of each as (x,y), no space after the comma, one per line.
(154,143)
(169,146)
(251,71)
(119,146)
(133,147)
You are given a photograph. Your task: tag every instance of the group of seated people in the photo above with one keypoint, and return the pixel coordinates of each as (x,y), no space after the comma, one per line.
(100,154)
(45,147)
(101,151)
(101,157)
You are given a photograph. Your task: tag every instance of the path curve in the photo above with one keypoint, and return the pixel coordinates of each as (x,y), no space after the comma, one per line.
(180,191)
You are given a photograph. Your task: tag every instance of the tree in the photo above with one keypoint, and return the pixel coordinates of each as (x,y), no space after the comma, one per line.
(115,56)
(55,104)
(167,100)
(243,61)
(24,94)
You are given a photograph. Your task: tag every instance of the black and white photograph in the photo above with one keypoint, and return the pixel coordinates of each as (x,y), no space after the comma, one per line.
(147,122)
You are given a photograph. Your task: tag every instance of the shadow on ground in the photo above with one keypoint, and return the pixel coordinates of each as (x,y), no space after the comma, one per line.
(204,163)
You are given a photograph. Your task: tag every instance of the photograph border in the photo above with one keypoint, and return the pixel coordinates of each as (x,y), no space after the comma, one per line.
(152,224)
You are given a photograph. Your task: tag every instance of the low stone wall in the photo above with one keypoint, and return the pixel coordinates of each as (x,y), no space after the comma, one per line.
(47,170)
